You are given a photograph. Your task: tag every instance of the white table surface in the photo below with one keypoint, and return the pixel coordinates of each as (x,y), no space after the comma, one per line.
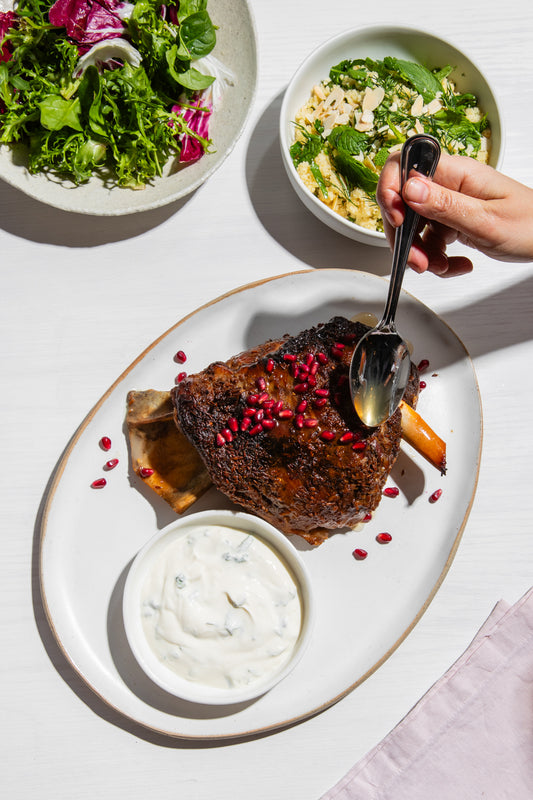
(81,297)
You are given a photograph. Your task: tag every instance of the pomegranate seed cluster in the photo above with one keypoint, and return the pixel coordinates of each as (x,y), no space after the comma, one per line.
(105,444)
(263,411)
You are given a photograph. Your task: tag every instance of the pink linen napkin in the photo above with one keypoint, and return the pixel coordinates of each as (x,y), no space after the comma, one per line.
(471,736)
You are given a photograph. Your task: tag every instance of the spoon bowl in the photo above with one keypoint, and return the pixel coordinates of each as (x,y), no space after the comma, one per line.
(381,364)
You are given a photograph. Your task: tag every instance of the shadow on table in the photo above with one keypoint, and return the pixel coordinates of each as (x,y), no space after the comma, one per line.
(38,222)
(507,313)
(284,216)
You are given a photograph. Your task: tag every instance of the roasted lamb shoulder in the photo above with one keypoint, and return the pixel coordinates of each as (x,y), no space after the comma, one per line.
(276,430)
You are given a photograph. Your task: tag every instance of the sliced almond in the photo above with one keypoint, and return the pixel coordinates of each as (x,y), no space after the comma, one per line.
(365,121)
(335,96)
(434,106)
(418,106)
(372,98)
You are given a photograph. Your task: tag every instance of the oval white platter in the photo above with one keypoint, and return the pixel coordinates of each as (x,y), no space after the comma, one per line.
(89,537)
(236,49)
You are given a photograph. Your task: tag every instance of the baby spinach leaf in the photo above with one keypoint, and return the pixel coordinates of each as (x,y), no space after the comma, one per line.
(197,35)
(57,113)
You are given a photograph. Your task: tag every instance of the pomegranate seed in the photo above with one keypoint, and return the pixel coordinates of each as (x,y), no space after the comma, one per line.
(383,538)
(303,369)
(245,424)
(336,353)
(269,424)
(105,443)
(313,369)
(145,472)
(294,369)
(322,358)
(269,404)
(249,412)
(261,384)
(252,399)
(300,388)
(309,359)
(349,338)
(285,413)
(261,399)
(424,364)
(220,440)
(227,434)
(358,445)
(346,437)
(310,422)
(111,464)
(233,424)
(342,380)
(299,421)
(180,357)
(259,415)
(302,405)
(269,365)
(367,517)
(327,436)
(99,483)
(391,491)
(311,380)
(255,429)
(180,376)
(359,554)
(276,408)
(320,402)
(435,496)
(338,346)
(289,357)
(422,384)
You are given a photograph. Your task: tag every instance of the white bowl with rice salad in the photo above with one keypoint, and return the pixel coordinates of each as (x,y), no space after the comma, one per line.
(354,101)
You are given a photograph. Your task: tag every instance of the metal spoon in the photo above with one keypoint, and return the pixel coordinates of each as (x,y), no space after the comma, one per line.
(381,364)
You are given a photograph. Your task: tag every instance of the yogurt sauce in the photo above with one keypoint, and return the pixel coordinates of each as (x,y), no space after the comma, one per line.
(219,607)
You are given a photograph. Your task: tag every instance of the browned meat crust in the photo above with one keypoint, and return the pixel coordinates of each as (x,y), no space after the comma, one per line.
(309,472)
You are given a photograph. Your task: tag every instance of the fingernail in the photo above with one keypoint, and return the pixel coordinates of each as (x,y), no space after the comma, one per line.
(416,191)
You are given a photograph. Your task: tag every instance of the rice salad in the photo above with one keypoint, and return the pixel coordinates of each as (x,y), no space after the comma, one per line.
(365,111)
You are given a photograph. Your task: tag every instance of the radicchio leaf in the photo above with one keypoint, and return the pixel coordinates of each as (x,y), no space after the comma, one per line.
(88,21)
(7,21)
(197,119)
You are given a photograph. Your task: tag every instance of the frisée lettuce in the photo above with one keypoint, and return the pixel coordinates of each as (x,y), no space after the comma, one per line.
(110,88)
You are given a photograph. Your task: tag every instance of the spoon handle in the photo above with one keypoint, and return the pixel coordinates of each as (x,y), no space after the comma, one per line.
(421,153)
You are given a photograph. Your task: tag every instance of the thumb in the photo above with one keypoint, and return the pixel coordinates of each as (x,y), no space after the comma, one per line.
(436,202)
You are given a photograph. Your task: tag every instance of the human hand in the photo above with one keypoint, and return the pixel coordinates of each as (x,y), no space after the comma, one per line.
(467,202)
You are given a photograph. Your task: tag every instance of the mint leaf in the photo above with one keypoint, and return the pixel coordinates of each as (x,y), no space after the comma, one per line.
(418,76)
(356,172)
(307,150)
(347,139)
